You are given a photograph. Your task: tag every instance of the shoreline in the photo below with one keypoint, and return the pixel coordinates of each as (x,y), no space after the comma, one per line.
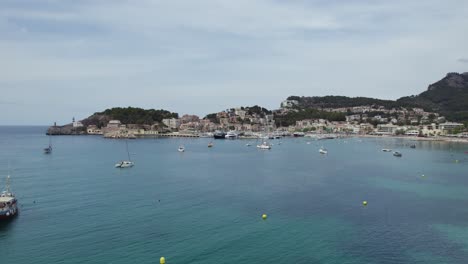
(439,139)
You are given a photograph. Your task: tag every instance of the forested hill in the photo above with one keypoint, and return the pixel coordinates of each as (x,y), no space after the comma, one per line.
(449,97)
(129,115)
(339,101)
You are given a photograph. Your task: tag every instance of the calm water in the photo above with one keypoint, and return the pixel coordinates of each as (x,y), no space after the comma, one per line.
(205,205)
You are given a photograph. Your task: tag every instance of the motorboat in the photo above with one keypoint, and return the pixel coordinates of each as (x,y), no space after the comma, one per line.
(413,146)
(124,164)
(387,150)
(323,150)
(8,202)
(397,154)
(219,135)
(231,135)
(265,145)
(181,149)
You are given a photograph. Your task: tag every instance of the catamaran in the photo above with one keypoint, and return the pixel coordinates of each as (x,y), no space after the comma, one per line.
(125,163)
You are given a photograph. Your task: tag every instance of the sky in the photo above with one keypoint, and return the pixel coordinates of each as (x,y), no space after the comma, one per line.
(68,58)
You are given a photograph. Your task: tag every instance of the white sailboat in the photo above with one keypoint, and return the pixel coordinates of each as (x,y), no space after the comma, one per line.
(265,144)
(125,163)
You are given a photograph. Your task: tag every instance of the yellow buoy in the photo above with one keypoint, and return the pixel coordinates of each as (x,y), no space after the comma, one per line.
(162,260)
(364,203)
(264,216)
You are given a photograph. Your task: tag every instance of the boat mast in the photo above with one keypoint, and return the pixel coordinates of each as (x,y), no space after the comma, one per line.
(128,153)
(7,187)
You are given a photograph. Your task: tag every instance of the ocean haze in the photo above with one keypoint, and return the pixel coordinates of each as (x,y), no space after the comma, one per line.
(64,59)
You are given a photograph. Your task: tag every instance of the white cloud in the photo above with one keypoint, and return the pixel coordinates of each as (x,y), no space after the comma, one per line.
(227,52)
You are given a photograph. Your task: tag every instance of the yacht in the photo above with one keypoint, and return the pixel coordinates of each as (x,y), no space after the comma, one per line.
(219,135)
(231,135)
(8,202)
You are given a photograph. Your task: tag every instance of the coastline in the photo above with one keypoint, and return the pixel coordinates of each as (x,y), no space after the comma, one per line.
(440,139)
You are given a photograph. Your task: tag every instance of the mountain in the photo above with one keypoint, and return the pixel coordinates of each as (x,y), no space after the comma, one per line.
(449,97)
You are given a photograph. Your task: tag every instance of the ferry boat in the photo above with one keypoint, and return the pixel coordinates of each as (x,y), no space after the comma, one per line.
(8,203)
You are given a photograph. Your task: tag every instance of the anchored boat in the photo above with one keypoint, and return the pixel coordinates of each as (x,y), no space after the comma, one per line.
(8,202)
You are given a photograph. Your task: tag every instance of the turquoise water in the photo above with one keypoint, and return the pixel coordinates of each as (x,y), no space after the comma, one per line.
(205,205)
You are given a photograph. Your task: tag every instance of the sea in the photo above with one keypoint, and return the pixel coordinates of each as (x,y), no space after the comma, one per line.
(205,205)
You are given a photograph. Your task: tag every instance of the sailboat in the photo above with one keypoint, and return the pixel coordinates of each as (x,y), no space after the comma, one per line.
(265,144)
(125,163)
(48,150)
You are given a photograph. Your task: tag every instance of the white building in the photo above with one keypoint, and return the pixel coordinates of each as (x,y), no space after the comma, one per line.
(412,133)
(77,124)
(113,124)
(289,103)
(241,113)
(173,123)
(386,129)
(449,125)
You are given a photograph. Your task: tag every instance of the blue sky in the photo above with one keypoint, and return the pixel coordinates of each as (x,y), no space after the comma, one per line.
(65,58)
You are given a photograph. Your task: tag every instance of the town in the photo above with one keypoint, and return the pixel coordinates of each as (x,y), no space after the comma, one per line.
(252,122)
